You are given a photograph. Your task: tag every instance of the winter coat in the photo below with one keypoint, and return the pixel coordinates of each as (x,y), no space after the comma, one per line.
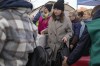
(16,37)
(56,31)
(94,31)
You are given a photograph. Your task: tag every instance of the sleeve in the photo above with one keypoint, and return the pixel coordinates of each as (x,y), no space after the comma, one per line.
(36,18)
(39,26)
(75,38)
(83,43)
(77,29)
(68,29)
(2,33)
(46,31)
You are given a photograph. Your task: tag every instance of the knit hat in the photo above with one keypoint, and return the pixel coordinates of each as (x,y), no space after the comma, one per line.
(48,6)
(59,5)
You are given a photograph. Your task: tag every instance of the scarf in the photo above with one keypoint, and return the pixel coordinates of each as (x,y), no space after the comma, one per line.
(7,4)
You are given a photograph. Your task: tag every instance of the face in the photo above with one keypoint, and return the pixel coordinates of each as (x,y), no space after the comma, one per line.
(45,10)
(86,15)
(57,12)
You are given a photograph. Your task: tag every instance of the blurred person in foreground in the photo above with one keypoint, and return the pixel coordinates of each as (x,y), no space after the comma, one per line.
(16,33)
(94,31)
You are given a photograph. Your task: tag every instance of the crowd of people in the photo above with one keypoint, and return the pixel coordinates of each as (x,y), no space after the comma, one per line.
(77,34)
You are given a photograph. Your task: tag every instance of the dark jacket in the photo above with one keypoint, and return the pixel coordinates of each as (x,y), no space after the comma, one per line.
(8,4)
(96,15)
(82,46)
(36,18)
(76,29)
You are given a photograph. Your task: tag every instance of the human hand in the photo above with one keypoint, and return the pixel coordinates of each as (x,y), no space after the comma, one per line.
(64,39)
(64,62)
(71,46)
(42,32)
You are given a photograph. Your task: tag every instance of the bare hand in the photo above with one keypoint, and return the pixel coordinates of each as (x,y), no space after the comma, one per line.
(71,46)
(64,61)
(42,32)
(64,39)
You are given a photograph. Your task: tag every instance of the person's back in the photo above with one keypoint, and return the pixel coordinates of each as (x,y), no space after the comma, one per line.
(16,34)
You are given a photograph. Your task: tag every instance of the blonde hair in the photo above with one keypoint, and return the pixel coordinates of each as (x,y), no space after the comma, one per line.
(88,11)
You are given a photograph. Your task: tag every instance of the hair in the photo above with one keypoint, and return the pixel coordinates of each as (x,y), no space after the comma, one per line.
(80,14)
(61,16)
(96,8)
(88,11)
(74,13)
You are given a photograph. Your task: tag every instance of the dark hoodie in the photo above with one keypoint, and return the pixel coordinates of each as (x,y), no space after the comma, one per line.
(96,15)
(7,4)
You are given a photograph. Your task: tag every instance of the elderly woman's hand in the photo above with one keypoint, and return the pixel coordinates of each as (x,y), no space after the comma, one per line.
(64,39)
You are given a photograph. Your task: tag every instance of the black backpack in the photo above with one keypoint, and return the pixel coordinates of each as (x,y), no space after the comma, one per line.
(38,58)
